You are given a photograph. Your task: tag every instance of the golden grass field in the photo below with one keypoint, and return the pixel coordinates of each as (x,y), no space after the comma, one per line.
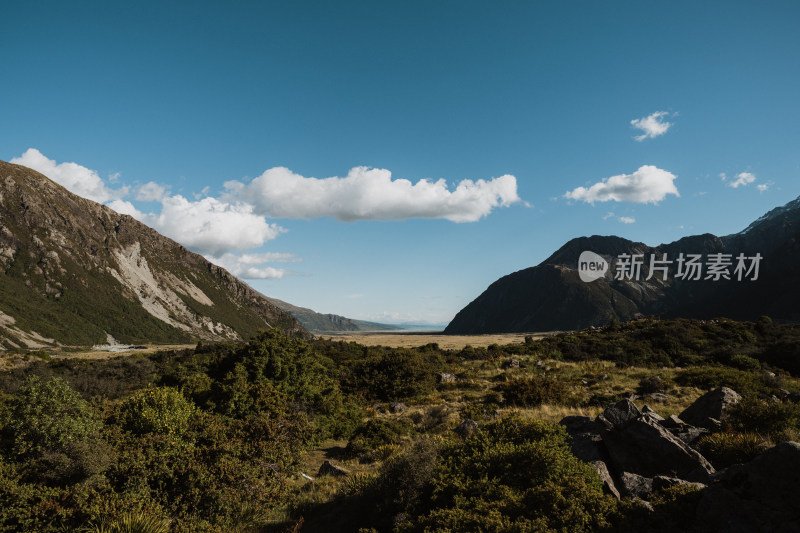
(413,339)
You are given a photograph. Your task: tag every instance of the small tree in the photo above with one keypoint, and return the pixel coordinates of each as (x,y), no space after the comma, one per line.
(48,416)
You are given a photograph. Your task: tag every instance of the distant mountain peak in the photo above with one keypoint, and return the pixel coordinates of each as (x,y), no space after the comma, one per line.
(551,296)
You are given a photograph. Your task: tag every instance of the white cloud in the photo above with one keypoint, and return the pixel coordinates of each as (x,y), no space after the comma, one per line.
(75,178)
(652,125)
(742,179)
(124,207)
(150,192)
(624,220)
(253,266)
(648,184)
(211,226)
(372,194)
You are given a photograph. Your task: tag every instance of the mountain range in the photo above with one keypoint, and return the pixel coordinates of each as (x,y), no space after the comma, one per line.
(552,295)
(329,323)
(74,272)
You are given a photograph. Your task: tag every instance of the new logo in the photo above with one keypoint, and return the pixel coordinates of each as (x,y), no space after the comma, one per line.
(591,266)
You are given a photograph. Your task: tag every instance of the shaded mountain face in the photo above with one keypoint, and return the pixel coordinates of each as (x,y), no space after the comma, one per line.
(552,296)
(329,323)
(73,271)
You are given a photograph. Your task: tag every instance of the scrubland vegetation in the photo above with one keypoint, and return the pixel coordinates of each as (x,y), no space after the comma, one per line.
(225,437)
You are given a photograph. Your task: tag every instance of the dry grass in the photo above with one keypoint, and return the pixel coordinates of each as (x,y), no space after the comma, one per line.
(447,342)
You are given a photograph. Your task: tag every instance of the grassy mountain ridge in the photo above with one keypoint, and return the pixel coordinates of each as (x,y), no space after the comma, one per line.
(73,271)
(327,322)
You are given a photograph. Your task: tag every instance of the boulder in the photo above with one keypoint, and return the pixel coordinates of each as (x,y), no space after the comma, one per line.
(652,414)
(710,408)
(330,469)
(512,363)
(641,445)
(446,377)
(609,487)
(585,440)
(466,428)
(635,486)
(657,397)
(397,407)
(666,482)
(757,496)
(619,414)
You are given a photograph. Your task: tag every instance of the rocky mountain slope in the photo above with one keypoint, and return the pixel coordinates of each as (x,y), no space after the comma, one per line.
(328,323)
(551,296)
(73,272)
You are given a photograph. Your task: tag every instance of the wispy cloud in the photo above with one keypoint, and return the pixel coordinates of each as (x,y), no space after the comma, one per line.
(648,184)
(742,179)
(623,219)
(652,125)
(253,266)
(372,194)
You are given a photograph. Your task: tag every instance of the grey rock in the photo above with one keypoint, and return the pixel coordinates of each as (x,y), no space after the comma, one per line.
(673,422)
(666,482)
(609,487)
(397,407)
(621,413)
(513,363)
(445,377)
(712,405)
(585,440)
(466,428)
(330,469)
(643,446)
(652,414)
(657,397)
(761,495)
(635,485)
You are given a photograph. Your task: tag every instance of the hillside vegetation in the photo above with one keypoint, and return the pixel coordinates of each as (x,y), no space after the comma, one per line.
(291,434)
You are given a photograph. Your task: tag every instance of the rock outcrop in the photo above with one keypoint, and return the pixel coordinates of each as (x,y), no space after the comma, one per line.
(638,453)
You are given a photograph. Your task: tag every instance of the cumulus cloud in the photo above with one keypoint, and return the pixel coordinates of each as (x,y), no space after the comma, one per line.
(652,125)
(212,226)
(648,184)
(742,179)
(371,194)
(763,186)
(150,192)
(253,266)
(75,178)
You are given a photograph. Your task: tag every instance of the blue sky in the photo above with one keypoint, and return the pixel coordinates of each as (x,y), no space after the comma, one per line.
(208,120)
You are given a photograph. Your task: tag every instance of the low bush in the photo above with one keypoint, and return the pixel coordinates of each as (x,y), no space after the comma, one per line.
(752,415)
(712,376)
(378,432)
(161,410)
(725,449)
(532,391)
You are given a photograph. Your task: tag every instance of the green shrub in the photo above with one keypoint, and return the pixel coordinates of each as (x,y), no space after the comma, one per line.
(752,415)
(744,362)
(532,391)
(514,475)
(725,449)
(131,522)
(162,410)
(710,377)
(377,432)
(47,416)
